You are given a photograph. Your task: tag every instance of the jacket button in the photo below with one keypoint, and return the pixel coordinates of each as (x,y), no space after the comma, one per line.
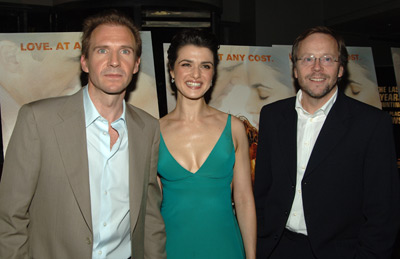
(88,241)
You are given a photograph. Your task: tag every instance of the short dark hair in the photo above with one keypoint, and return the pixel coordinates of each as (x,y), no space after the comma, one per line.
(343,55)
(110,17)
(196,37)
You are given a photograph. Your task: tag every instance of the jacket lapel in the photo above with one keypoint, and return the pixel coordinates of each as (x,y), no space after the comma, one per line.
(71,139)
(288,138)
(332,132)
(137,162)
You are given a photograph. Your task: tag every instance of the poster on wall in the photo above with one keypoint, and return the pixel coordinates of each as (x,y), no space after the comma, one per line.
(247,79)
(288,52)
(362,84)
(396,65)
(34,66)
(391,104)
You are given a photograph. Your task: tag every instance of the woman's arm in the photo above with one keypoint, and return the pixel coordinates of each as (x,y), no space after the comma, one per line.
(159,183)
(242,189)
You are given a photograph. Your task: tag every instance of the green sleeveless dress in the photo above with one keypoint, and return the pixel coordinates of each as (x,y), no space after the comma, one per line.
(197,207)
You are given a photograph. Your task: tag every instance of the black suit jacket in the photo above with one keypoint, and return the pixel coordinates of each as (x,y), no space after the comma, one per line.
(350,188)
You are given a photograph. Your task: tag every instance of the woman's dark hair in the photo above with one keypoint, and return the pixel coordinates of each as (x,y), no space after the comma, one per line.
(196,37)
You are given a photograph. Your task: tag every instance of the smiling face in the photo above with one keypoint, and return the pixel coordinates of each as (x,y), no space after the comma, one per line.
(193,71)
(112,60)
(315,80)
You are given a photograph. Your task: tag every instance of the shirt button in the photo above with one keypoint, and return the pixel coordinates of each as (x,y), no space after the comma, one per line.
(104,133)
(294,214)
(299,191)
(105,192)
(104,224)
(100,252)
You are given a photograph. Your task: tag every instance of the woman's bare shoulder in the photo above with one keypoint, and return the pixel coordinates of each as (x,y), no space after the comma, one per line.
(237,124)
(167,122)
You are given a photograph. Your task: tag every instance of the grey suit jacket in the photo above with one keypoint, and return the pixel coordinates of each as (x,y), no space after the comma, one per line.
(44,192)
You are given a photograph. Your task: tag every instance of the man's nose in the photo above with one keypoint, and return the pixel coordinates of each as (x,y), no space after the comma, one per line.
(114,59)
(317,65)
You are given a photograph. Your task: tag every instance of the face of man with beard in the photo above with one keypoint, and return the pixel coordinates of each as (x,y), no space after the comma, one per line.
(317,68)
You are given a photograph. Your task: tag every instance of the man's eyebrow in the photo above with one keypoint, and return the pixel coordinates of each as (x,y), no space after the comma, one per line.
(107,47)
(101,47)
(127,47)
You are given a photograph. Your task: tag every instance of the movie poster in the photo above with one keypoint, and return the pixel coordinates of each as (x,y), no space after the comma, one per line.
(396,65)
(391,103)
(362,84)
(34,66)
(247,79)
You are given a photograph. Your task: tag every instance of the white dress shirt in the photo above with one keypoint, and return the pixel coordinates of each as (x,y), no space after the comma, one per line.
(109,184)
(308,129)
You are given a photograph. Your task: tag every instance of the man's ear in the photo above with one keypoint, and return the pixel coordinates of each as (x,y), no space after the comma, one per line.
(8,56)
(84,66)
(341,71)
(136,66)
(295,72)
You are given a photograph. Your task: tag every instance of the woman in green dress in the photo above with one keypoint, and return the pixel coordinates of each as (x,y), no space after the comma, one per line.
(203,160)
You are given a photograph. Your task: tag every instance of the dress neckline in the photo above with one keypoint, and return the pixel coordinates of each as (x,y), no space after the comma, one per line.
(208,156)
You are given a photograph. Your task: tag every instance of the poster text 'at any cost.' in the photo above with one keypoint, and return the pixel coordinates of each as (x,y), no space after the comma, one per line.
(242,57)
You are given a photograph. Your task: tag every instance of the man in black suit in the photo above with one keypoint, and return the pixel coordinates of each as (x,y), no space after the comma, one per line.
(326,183)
